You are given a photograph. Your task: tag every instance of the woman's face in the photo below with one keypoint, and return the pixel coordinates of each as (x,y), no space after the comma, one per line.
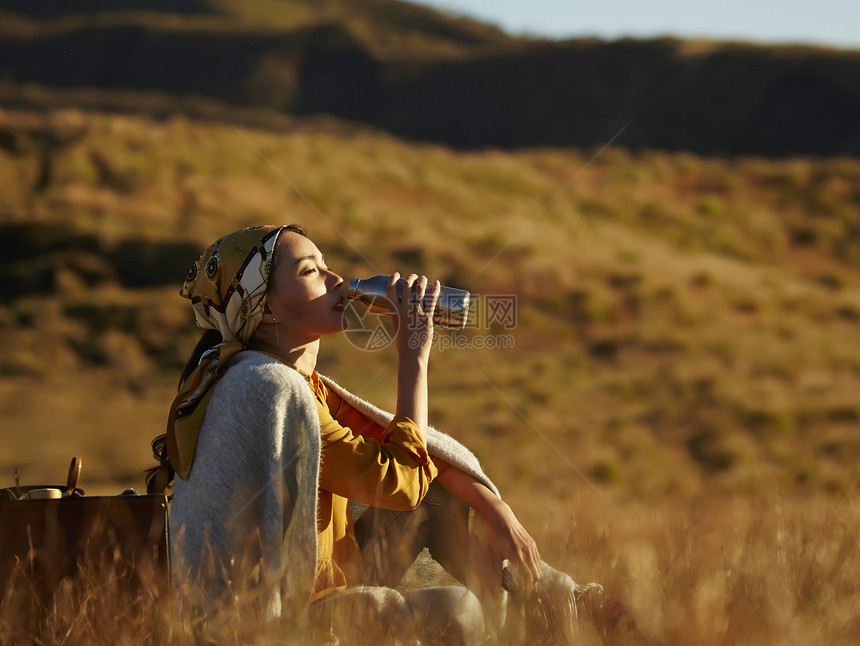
(303,295)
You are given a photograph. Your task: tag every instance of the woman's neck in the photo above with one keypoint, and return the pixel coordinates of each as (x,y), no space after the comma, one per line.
(302,355)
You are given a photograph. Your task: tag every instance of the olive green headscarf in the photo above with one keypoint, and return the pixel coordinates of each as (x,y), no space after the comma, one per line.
(227,288)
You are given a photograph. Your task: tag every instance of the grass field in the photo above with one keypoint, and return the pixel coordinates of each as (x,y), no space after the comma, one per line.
(677,415)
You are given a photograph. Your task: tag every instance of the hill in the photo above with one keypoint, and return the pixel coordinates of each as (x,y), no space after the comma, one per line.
(428,76)
(695,313)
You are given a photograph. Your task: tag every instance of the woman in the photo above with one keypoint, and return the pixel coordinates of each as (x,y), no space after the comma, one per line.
(269,454)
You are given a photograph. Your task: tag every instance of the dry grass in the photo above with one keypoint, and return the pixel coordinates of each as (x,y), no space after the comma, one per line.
(717,570)
(762,570)
(685,344)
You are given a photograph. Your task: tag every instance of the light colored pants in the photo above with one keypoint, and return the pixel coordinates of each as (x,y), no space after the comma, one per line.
(440,615)
(456,537)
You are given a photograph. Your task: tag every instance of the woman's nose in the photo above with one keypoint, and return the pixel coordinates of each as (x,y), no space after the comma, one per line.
(334,279)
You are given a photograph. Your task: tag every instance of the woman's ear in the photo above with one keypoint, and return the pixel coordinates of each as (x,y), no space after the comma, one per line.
(268,317)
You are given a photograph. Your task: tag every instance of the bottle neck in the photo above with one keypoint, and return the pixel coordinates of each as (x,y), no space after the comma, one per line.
(353,291)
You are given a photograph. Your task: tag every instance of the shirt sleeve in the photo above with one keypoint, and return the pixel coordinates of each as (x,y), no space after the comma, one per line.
(393,472)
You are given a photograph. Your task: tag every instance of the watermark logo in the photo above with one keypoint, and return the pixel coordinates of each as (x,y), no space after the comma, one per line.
(491,318)
(366,330)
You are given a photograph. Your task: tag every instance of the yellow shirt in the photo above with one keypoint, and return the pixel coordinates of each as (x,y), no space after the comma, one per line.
(384,467)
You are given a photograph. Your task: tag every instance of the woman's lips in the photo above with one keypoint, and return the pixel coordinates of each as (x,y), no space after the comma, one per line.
(338,307)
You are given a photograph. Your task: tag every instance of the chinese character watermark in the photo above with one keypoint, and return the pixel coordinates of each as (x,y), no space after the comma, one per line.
(488,315)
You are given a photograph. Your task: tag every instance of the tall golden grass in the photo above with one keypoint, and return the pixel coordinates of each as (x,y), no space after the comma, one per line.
(716,570)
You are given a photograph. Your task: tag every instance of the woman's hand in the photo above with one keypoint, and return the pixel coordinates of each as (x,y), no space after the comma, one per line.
(413,341)
(508,539)
(415,308)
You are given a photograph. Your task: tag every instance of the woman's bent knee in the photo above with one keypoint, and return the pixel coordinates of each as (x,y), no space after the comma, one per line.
(368,615)
(449,615)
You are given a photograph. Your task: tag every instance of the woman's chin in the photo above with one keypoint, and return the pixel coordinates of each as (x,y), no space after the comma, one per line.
(340,326)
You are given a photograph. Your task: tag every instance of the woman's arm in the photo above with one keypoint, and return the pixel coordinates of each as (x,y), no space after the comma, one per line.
(413,341)
(396,472)
(508,538)
(393,473)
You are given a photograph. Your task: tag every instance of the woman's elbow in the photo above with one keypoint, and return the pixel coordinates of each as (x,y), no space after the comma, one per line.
(418,492)
(408,498)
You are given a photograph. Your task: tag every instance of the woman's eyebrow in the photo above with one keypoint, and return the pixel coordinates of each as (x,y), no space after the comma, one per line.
(309,257)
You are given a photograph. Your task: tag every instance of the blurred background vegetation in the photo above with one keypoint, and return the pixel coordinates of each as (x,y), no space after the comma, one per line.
(684,320)
(678,416)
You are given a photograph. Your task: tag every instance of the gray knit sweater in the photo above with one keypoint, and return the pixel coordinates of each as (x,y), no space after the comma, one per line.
(253,487)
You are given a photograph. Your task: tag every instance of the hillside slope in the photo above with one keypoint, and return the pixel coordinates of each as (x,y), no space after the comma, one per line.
(680,322)
(429,76)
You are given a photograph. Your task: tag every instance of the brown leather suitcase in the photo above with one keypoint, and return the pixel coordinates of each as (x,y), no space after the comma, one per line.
(76,542)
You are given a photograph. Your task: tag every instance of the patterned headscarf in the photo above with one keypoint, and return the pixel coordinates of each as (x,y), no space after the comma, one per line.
(227,288)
